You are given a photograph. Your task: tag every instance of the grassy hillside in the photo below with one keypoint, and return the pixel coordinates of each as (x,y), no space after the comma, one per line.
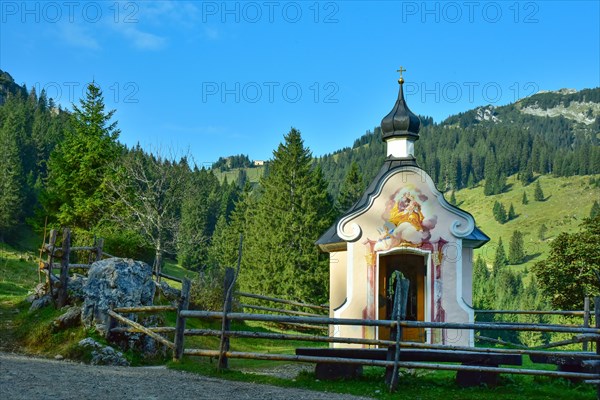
(254,174)
(568,201)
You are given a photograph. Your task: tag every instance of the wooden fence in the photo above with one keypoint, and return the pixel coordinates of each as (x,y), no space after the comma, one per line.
(62,254)
(587,316)
(59,257)
(583,359)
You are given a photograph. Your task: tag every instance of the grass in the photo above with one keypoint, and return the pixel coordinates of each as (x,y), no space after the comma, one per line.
(253,174)
(568,201)
(414,384)
(32,332)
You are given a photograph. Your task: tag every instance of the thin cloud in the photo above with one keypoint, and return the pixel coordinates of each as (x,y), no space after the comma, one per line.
(142,40)
(211,33)
(77,36)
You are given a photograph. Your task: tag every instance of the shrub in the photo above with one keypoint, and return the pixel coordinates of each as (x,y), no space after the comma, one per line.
(206,292)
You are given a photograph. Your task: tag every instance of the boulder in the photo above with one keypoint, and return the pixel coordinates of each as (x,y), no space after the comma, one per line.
(103,355)
(115,282)
(38,292)
(168,292)
(69,319)
(75,287)
(40,303)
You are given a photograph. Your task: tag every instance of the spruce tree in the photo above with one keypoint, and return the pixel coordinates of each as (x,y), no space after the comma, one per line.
(500,260)
(453,199)
(280,257)
(526,175)
(542,232)
(224,248)
(78,165)
(199,213)
(511,213)
(11,195)
(516,248)
(538,193)
(499,212)
(595,211)
(481,285)
(351,189)
(490,175)
(524,200)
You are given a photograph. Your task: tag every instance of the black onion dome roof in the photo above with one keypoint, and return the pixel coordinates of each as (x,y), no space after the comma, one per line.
(400,122)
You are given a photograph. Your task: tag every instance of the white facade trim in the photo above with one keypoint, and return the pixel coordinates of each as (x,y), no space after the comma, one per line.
(350,231)
(349,287)
(400,147)
(459,291)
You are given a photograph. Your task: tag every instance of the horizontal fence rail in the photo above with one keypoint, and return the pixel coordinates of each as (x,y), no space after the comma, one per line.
(283,301)
(381,363)
(387,323)
(580,334)
(533,312)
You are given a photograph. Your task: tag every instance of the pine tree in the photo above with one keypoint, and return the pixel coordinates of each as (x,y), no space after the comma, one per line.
(516,248)
(280,257)
(11,195)
(542,232)
(526,175)
(351,189)
(500,260)
(242,178)
(524,200)
(499,212)
(453,199)
(595,209)
(77,167)
(481,285)
(538,193)
(224,248)
(490,175)
(199,212)
(511,213)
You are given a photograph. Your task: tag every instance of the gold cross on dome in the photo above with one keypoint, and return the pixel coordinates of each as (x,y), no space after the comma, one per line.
(401,70)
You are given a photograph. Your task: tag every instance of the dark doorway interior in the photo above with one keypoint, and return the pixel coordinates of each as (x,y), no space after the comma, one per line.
(413,268)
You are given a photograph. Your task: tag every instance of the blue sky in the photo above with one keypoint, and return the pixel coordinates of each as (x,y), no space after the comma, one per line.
(227,78)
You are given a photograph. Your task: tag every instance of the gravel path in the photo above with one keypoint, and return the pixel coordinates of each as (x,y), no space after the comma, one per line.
(30,378)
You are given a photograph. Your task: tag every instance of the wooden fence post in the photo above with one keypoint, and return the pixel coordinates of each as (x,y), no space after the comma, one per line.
(597,324)
(398,314)
(111,323)
(61,300)
(230,277)
(99,249)
(51,243)
(586,319)
(229,280)
(184,302)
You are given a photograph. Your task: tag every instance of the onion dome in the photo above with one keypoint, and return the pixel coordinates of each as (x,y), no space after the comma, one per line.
(400,122)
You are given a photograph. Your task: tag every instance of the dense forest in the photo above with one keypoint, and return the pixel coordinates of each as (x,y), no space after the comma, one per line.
(464,150)
(68,168)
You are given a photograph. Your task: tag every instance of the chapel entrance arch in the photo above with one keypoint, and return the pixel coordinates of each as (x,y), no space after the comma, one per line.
(413,266)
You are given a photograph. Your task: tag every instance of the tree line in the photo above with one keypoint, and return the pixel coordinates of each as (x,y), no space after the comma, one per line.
(71,168)
(463,152)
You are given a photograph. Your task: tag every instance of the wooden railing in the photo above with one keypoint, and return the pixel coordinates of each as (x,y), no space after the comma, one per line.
(179,333)
(63,253)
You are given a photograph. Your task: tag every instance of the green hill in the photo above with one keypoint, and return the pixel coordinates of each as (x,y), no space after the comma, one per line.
(568,201)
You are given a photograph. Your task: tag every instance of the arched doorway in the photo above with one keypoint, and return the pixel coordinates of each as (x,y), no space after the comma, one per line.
(414,268)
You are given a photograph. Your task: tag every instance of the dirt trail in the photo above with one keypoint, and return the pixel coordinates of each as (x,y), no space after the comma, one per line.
(30,378)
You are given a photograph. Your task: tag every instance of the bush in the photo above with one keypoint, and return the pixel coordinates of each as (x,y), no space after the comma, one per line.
(126,244)
(206,292)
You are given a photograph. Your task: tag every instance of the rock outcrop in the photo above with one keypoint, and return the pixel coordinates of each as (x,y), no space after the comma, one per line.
(72,317)
(115,282)
(103,355)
